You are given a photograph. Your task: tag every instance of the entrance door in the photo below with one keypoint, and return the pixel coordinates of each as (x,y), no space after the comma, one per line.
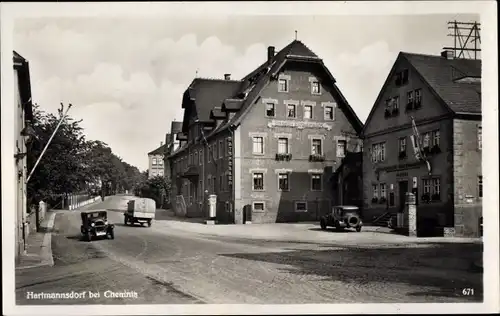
(403,188)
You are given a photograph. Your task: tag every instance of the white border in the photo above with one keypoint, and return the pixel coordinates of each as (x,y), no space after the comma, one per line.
(487,10)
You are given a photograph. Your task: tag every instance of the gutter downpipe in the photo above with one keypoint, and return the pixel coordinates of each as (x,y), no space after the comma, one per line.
(233,193)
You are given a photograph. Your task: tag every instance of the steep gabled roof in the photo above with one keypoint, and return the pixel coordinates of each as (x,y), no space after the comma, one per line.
(441,75)
(24,82)
(257,80)
(209,93)
(159,151)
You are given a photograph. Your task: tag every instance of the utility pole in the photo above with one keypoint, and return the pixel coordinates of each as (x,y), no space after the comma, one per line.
(50,140)
(466,42)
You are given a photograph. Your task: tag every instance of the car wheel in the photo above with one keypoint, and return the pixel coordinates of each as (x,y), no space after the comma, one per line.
(89,237)
(322,224)
(125,221)
(111,234)
(358,229)
(149,223)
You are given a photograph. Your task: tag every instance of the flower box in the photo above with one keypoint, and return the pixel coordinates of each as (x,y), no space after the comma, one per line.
(316,157)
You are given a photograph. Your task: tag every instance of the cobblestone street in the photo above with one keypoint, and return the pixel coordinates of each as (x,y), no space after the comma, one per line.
(167,265)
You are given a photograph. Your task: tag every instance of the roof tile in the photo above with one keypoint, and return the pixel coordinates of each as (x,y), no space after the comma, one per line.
(442,74)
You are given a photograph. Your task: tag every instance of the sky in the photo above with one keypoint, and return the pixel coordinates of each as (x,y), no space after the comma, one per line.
(125,76)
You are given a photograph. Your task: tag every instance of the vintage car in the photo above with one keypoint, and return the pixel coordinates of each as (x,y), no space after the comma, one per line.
(342,216)
(95,224)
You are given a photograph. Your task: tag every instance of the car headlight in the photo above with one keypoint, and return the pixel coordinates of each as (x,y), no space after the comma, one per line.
(93,224)
(106,223)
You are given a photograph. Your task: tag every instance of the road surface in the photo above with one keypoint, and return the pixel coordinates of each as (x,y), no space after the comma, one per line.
(160,265)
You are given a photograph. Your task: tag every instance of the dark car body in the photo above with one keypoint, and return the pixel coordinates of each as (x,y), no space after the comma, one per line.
(95,225)
(343,216)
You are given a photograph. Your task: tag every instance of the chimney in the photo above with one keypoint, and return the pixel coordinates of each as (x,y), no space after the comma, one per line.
(161,144)
(227,76)
(270,53)
(448,54)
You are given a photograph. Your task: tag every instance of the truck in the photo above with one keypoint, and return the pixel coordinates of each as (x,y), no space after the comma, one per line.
(140,210)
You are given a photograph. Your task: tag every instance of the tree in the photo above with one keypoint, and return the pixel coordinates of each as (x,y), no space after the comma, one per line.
(156,188)
(59,170)
(72,164)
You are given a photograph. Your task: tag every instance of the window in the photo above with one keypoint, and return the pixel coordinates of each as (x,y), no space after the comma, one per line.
(404,77)
(395,103)
(436,138)
(195,157)
(283,145)
(283,85)
(341,148)
(308,112)
(258,145)
(383,193)
(258,206)
(258,181)
(480,186)
(209,154)
(154,161)
(283,184)
(436,187)
(300,206)
(316,147)
(214,151)
(316,182)
(329,113)
(160,173)
(221,183)
(418,98)
(315,87)
(378,152)
(375,191)
(402,145)
(221,148)
(209,185)
(160,162)
(201,156)
(291,110)
(410,98)
(270,110)
(480,137)
(190,159)
(426,141)
(427,186)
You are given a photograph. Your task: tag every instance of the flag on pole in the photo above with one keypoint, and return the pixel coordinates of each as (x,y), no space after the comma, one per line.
(416,142)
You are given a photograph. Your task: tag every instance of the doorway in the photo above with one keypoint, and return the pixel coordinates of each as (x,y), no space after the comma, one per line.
(403,189)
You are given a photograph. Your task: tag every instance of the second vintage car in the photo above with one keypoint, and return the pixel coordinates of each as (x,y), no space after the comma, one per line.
(342,216)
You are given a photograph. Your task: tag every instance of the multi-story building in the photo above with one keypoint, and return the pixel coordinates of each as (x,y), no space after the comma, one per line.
(22,121)
(156,158)
(443,96)
(266,145)
(172,145)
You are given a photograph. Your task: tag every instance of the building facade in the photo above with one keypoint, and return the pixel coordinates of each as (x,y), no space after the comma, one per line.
(156,161)
(22,121)
(443,96)
(267,145)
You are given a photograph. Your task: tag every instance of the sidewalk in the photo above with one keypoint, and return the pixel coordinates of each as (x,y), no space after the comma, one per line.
(38,246)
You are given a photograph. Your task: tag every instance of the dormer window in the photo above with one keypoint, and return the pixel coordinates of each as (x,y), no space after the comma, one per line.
(402,78)
(315,87)
(283,85)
